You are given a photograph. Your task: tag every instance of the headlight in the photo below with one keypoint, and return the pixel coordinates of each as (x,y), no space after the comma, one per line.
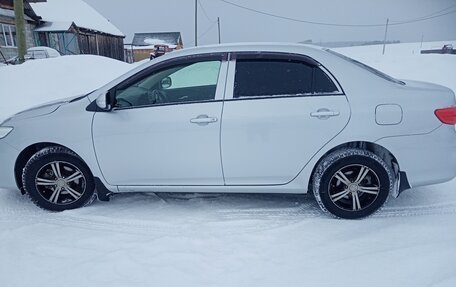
(4,131)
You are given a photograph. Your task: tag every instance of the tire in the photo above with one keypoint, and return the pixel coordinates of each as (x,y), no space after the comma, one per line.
(352,183)
(56,179)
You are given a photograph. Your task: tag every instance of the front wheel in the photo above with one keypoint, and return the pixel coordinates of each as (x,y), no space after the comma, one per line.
(352,183)
(57,179)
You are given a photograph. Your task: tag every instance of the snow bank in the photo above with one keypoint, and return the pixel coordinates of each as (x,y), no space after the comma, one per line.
(36,82)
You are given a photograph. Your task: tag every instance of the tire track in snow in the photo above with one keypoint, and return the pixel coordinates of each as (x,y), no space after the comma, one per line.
(228,214)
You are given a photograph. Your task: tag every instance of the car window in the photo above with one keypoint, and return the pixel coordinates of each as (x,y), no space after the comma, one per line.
(259,78)
(198,74)
(322,82)
(193,82)
(37,54)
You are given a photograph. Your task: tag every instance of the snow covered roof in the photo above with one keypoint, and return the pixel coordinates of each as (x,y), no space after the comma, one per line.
(58,14)
(54,26)
(171,39)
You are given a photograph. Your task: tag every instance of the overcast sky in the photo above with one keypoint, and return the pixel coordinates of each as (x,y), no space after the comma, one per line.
(240,25)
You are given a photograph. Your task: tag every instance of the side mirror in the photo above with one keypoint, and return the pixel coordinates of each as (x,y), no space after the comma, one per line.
(104,102)
(166,83)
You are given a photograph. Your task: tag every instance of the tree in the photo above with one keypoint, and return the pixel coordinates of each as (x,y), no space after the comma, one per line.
(20,29)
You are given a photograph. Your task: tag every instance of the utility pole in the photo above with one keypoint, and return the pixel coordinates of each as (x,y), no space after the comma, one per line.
(196,23)
(386,35)
(20,29)
(219,33)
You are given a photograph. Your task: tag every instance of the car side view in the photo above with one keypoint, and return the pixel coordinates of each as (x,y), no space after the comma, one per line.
(237,118)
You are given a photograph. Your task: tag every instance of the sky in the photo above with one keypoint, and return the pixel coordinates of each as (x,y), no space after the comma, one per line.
(239,25)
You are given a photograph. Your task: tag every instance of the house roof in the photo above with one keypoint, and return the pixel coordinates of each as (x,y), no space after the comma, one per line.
(7,9)
(58,12)
(54,27)
(172,39)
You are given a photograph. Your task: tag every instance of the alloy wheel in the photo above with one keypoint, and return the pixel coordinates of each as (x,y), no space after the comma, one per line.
(60,182)
(354,187)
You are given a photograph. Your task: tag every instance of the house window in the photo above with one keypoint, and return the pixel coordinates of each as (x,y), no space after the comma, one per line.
(7,35)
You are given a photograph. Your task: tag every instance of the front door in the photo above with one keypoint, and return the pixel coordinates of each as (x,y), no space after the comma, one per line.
(165,128)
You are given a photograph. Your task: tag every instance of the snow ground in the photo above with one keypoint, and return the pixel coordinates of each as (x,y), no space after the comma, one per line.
(232,240)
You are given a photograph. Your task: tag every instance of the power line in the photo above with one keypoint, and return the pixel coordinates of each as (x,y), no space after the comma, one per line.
(337,24)
(204,33)
(443,10)
(205,12)
(424,18)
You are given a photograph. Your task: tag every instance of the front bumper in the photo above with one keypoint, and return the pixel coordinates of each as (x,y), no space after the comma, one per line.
(8,156)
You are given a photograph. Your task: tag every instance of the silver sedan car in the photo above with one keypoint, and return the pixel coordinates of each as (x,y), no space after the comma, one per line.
(247,118)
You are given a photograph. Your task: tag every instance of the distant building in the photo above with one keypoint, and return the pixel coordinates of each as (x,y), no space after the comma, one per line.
(74,27)
(146,44)
(8,45)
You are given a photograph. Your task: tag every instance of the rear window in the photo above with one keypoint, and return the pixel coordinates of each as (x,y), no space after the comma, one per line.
(259,78)
(367,68)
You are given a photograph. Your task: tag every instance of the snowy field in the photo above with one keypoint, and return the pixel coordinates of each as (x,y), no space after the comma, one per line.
(223,240)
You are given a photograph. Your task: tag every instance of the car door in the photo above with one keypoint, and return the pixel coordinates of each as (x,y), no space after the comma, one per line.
(280,110)
(165,127)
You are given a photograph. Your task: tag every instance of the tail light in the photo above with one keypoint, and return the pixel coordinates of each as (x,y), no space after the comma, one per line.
(447,115)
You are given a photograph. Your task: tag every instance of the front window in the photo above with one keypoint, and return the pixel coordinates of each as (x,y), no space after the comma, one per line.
(7,35)
(185,83)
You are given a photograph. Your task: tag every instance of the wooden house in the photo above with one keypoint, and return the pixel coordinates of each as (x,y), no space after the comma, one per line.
(74,27)
(8,45)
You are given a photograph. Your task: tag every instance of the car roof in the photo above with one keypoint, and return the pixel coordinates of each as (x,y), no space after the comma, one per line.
(40,48)
(249,47)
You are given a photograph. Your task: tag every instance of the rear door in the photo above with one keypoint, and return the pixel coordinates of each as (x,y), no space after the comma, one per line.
(279,111)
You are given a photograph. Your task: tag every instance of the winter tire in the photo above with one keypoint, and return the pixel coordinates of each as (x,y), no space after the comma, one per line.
(56,179)
(352,183)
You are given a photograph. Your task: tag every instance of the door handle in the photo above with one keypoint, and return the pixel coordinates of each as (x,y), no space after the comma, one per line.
(203,120)
(324,114)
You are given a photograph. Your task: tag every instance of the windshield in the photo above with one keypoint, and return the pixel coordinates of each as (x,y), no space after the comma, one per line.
(366,67)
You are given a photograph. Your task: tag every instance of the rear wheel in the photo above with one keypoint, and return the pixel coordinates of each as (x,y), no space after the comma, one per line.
(57,179)
(352,183)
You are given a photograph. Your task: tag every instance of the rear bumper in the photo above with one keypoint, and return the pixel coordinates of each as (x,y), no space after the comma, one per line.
(8,156)
(427,159)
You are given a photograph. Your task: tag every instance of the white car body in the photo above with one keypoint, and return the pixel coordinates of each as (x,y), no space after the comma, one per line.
(267,145)
(42,52)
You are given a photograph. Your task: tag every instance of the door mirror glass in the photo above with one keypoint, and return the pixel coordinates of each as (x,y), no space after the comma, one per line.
(166,83)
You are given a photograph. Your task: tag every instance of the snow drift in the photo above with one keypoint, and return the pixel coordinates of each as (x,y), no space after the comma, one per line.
(36,82)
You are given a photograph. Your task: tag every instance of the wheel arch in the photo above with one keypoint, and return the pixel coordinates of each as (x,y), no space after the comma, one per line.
(377,149)
(24,157)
